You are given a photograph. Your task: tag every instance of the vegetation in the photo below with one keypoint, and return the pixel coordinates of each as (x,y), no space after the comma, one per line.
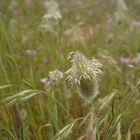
(92,95)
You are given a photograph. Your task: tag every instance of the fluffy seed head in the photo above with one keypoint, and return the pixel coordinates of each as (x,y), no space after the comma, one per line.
(84,73)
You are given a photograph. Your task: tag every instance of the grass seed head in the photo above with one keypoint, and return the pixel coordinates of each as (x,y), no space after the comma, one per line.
(84,74)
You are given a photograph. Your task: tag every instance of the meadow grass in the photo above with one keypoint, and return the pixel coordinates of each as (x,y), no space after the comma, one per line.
(37,102)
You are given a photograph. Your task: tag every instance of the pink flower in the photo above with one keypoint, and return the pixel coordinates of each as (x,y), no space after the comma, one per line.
(138,55)
(44,80)
(124,60)
(136,23)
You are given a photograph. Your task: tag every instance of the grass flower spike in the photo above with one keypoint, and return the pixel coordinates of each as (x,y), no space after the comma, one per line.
(84,74)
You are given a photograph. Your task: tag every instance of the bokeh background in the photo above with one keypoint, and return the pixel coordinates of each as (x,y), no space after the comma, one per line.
(36,37)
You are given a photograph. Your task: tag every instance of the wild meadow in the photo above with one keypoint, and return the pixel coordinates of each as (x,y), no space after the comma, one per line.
(69,70)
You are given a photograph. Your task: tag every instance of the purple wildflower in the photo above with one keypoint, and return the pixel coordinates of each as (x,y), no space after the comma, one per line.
(44,80)
(136,23)
(110,39)
(138,55)
(124,60)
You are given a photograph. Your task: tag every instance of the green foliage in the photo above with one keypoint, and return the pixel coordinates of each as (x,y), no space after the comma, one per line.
(36,100)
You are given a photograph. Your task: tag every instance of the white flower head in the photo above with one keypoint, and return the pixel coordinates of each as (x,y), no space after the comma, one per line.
(55,76)
(52,16)
(84,73)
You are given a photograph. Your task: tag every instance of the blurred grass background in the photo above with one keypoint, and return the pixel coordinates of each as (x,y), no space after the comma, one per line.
(90,26)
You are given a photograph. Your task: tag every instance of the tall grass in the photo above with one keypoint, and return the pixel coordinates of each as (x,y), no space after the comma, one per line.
(34,105)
